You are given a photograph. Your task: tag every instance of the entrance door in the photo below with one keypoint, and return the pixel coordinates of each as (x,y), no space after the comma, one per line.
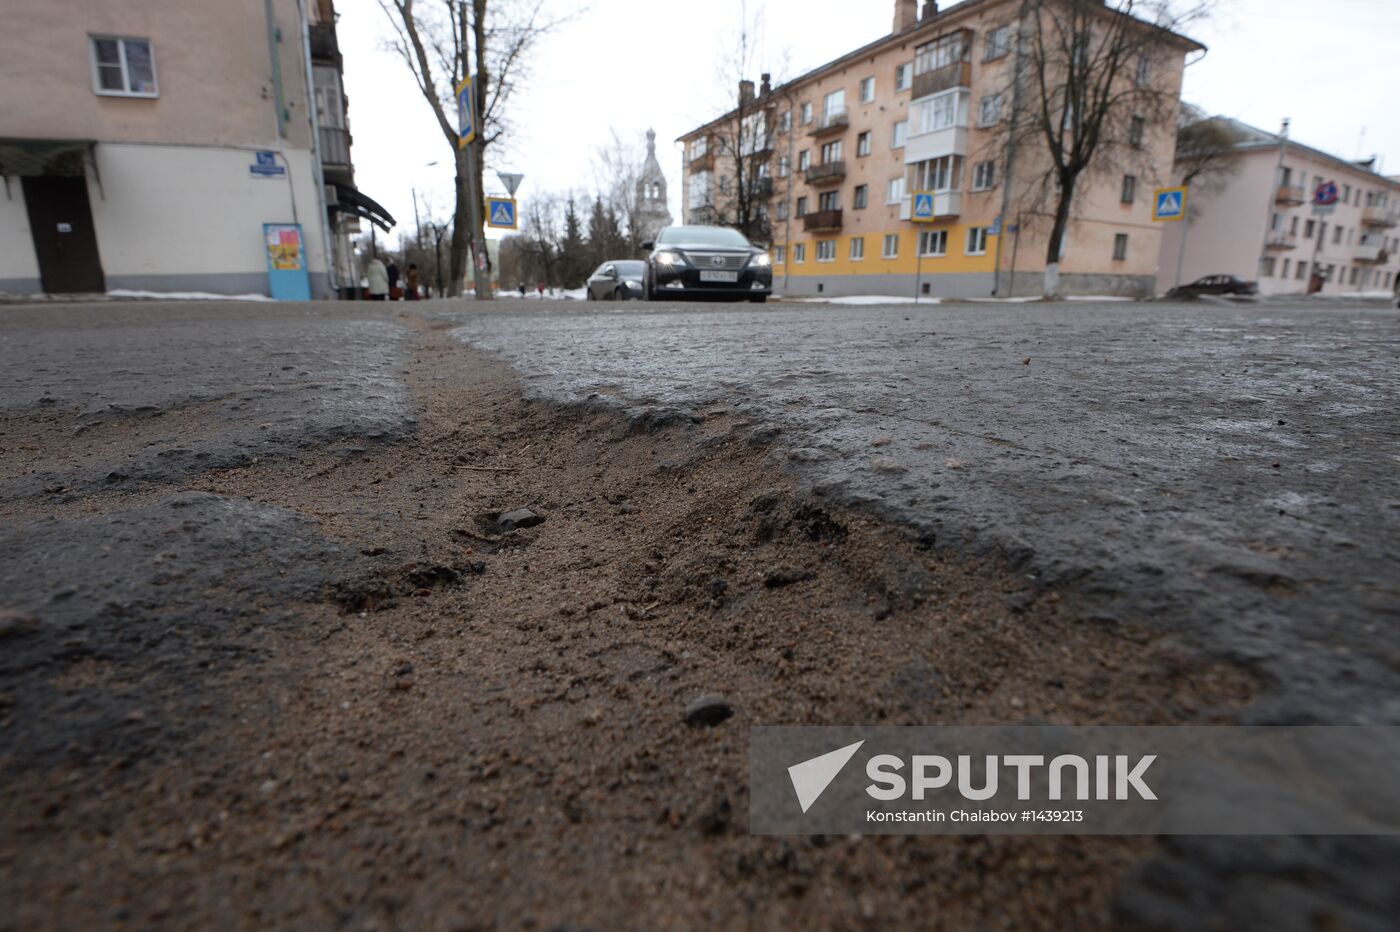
(64,238)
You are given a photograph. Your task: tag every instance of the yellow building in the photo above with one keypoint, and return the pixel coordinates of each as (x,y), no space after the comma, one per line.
(837,155)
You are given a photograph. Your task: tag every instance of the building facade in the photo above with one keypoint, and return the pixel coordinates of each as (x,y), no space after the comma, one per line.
(844,147)
(1297,219)
(146,144)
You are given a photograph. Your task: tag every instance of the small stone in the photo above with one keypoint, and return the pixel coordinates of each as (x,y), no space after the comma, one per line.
(517,519)
(15,623)
(781,576)
(716,587)
(707,711)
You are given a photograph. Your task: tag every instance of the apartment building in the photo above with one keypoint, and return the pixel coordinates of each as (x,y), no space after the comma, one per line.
(1297,219)
(162,145)
(842,149)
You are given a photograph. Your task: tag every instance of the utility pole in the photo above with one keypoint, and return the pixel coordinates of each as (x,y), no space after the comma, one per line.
(417,224)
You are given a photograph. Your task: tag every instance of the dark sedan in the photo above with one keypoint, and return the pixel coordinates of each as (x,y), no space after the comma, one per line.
(1214,284)
(618,280)
(706,261)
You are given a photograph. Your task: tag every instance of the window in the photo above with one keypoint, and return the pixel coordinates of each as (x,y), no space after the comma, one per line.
(1354,272)
(1144,71)
(1293,226)
(984,176)
(896,190)
(1130,189)
(799,253)
(806,114)
(784,166)
(989,113)
(699,147)
(1302,272)
(977,241)
(831,152)
(891,246)
(857,248)
(938,112)
(782,210)
(903,74)
(943,174)
(867,90)
(863,144)
(699,188)
(1286,264)
(1346,193)
(785,122)
(826,250)
(804,160)
(1336,236)
(802,207)
(1120,247)
(933,243)
(123,67)
(939,53)
(779,255)
(833,105)
(862,197)
(829,200)
(1267,267)
(901,133)
(1136,130)
(1308,229)
(998,43)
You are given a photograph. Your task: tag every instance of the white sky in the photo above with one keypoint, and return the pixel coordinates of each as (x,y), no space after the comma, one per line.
(1331,65)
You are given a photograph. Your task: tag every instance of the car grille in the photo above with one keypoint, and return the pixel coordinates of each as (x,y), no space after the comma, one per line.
(729,262)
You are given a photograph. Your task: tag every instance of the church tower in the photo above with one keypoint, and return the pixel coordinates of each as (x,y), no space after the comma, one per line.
(652,213)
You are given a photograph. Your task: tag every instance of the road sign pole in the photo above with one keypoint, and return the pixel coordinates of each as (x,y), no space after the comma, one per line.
(482,275)
(1181,251)
(918,265)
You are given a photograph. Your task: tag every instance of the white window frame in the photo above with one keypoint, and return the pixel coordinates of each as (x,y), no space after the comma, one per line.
(890,250)
(867,90)
(826,250)
(899,135)
(857,248)
(785,122)
(895,190)
(779,255)
(933,237)
(904,76)
(833,104)
(121,41)
(998,43)
(863,144)
(976,241)
(807,113)
(831,151)
(799,253)
(984,175)
(804,160)
(993,102)
(699,148)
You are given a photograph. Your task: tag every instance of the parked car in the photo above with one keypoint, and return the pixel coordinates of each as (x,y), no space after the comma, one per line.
(700,261)
(1214,284)
(616,280)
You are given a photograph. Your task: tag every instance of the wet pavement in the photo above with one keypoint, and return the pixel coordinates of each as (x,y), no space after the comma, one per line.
(1229,472)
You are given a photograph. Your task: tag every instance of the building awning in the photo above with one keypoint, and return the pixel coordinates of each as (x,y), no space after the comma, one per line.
(349,200)
(44,158)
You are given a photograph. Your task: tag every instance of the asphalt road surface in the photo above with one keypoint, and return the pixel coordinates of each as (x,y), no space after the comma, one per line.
(1229,472)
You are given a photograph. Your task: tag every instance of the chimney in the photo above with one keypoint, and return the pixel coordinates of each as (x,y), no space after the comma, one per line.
(745,92)
(766,87)
(906,14)
(930,10)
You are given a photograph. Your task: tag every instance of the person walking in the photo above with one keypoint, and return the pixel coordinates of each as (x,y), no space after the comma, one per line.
(378,277)
(411,281)
(393,271)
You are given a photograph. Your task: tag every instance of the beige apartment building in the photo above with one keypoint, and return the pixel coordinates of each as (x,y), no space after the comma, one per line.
(145,144)
(1297,219)
(845,146)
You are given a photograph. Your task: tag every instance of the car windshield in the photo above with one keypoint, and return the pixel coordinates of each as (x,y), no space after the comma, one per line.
(701,236)
(630,269)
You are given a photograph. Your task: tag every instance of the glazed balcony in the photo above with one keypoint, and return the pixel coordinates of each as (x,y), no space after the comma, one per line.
(827,173)
(1372,254)
(1280,240)
(1379,217)
(958,74)
(831,124)
(822,221)
(1290,195)
(946,204)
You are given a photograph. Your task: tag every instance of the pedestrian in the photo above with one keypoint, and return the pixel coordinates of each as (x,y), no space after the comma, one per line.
(540,286)
(393,272)
(522,289)
(412,281)
(378,278)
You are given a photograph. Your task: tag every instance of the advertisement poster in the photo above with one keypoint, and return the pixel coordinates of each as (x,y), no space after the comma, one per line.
(284,248)
(287,274)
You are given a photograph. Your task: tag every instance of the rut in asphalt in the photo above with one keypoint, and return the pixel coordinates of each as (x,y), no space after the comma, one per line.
(452,725)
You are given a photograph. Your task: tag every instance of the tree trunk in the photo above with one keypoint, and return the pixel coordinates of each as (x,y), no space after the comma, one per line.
(1057,235)
(461,229)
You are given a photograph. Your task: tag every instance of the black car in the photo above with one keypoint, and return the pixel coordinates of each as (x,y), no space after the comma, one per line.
(1214,284)
(617,280)
(700,261)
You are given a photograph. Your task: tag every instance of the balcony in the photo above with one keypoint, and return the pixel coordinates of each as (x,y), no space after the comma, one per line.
(831,123)
(324,45)
(958,74)
(1379,217)
(703,162)
(1290,195)
(935,145)
(761,188)
(335,146)
(826,173)
(822,221)
(1281,240)
(1372,254)
(946,205)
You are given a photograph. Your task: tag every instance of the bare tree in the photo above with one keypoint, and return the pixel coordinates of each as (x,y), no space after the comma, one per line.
(1090,90)
(442,43)
(617,167)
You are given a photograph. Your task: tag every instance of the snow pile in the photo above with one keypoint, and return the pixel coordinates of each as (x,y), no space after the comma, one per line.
(184,295)
(1097,297)
(864,299)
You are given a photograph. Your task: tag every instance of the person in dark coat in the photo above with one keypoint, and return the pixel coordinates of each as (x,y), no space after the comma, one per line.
(393,271)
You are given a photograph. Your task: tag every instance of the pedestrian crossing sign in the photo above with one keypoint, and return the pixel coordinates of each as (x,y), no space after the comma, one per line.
(1168,204)
(923,207)
(500,213)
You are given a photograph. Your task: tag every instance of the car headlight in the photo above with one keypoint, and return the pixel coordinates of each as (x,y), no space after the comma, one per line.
(761,261)
(669,258)
(633,284)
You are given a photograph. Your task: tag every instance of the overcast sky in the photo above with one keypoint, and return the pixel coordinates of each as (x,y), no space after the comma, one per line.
(1329,65)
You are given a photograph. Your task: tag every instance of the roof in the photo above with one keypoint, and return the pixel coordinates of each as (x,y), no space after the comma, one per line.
(927,28)
(1252,138)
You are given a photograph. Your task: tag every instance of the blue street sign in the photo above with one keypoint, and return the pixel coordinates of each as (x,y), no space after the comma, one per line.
(265,164)
(923,207)
(500,213)
(466,114)
(1168,204)
(995,228)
